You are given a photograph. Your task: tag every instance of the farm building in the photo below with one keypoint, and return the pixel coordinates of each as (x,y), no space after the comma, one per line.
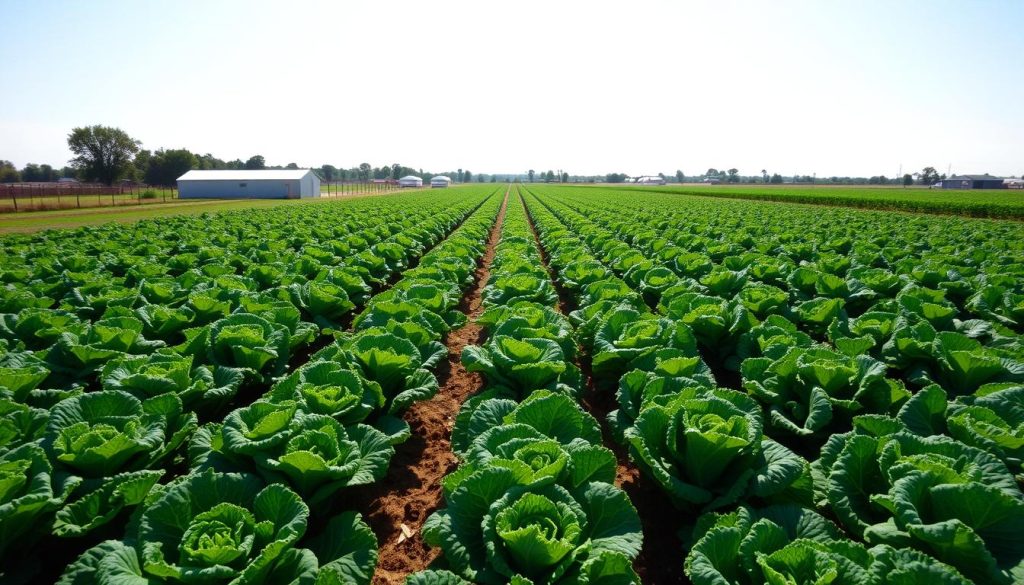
(263,184)
(440,181)
(410,181)
(650,180)
(973,182)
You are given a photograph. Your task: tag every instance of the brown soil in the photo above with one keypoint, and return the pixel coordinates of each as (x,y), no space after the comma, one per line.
(661,560)
(399,504)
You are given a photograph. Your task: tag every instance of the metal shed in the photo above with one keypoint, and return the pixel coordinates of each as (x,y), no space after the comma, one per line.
(440,181)
(973,182)
(262,184)
(410,181)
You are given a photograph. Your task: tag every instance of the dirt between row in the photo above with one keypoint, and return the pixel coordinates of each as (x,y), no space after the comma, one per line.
(660,561)
(397,506)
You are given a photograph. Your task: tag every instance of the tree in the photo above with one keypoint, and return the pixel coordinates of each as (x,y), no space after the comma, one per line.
(776,179)
(680,177)
(256,162)
(102,153)
(734,176)
(467,176)
(47,173)
(494,178)
(565,177)
(908,180)
(328,172)
(530,174)
(929,176)
(364,171)
(292,166)
(764,175)
(712,172)
(165,166)
(30,174)
(458,178)
(8,172)
(549,176)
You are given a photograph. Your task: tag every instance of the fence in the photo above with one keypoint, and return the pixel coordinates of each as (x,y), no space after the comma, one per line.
(343,188)
(47,196)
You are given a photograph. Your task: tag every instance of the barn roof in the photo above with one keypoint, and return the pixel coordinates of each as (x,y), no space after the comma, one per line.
(985,177)
(246,175)
(410,178)
(441,178)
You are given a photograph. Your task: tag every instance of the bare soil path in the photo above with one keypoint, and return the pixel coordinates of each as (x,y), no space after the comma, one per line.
(661,560)
(398,505)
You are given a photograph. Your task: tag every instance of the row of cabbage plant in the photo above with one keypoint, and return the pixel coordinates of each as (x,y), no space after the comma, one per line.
(533,499)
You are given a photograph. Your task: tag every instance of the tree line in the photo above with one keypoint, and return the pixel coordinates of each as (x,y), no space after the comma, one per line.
(103,154)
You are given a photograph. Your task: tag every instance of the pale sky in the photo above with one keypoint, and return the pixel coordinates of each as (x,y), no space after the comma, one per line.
(827,87)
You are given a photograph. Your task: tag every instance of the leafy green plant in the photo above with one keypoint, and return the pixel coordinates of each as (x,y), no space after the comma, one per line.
(523,364)
(501,526)
(145,376)
(707,450)
(219,528)
(313,453)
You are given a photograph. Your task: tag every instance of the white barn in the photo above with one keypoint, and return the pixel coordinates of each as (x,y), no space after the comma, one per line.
(650,180)
(440,181)
(249,184)
(410,181)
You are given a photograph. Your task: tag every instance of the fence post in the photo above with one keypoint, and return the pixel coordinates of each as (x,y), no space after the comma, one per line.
(78,197)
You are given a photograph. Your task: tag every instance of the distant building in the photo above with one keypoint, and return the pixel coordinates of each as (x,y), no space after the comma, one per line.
(1014,183)
(410,181)
(440,181)
(973,182)
(249,184)
(648,180)
(711,181)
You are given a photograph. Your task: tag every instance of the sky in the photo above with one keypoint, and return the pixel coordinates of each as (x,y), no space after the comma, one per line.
(844,87)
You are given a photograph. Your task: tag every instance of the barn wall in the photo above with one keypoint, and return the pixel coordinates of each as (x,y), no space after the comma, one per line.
(310,186)
(258,189)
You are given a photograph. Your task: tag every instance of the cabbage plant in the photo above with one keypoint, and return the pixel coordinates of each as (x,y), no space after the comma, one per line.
(228,528)
(116,443)
(707,450)
(789,544)
(807,388)
(200,387)
(626,335)
(523,364)
(393,362)
(30,492)
(556,416)
(505,524)
(251,344)
(315,454)
(956,502)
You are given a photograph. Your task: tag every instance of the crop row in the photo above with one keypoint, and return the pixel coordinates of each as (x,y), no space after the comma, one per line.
(997,203)
(533,499)
(853,376)
(86,441)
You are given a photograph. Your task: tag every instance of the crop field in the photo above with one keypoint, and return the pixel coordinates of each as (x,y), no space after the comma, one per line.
(995,203)
(519,383)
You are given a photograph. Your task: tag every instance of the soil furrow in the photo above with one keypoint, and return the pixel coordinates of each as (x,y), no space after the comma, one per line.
(398,505)
(660,560)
